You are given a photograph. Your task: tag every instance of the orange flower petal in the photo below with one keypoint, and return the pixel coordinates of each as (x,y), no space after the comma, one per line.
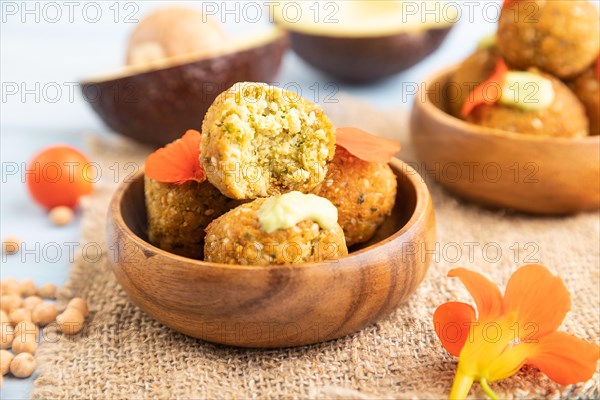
(452,322)
(509,2)
(480,94)
(177,162)
(564,358)
(539,299)
(485,293)
(365,146)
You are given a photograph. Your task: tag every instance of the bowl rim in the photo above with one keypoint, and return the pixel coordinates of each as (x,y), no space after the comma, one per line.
(422,101)
(365,37)
(420,214)
(238,43)
(319,29)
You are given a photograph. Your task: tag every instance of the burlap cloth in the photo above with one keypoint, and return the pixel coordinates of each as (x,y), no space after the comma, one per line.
(125,354)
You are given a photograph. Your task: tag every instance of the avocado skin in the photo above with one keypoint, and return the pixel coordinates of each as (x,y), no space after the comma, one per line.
(158,106)
(368,59)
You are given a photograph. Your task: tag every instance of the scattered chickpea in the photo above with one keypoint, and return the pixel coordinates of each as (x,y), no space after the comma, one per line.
(19,318)
(6,336)
(25,330)
(23,365)
(27,288)
(9,286)
(61,215)
(80,304)
(5,359)
(24,345)
(47,291)
(10,302)
(70,321)
(20,314)
(32,301)
(10,245)
(44,313)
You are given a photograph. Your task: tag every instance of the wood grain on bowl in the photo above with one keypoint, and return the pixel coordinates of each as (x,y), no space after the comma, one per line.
(275,306)
(534,174)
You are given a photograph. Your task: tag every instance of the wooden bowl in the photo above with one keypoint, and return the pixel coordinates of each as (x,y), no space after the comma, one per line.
(534,174)
(274,306)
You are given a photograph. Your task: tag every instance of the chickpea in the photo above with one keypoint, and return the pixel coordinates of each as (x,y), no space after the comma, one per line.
(26,330)
(4,317)
(7,335)
(70,321)
(47,291)
(32,301)
(26,344)
(20,314)
(80,304)
(61,215)
(27,288)
(10,302)
(9,286)
(23,365)
(44,313)
(5,359)
(11,244)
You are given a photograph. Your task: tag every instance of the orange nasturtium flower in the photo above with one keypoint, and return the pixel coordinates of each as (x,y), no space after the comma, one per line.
(511,331)
(178,162)
(366,146)
(480,94)
(508,2)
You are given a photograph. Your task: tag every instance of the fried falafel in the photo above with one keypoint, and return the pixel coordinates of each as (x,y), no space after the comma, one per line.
(587,88)
(473,71)
(364,193)
(241,237)
(260,140)
(561,37)
(179,213)
(563,117)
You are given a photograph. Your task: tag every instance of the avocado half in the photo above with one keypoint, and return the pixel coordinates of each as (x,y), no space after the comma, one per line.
(362,41)
(158,102)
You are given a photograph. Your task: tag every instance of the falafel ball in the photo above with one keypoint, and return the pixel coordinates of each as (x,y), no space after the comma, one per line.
(364,193)
(587,89)
(472,72)
(561,37)
(178,214)
(238,237)
(564,117)
(260,140)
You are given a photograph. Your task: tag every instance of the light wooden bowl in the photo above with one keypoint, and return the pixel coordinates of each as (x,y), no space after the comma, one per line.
(274,306)
(540,175)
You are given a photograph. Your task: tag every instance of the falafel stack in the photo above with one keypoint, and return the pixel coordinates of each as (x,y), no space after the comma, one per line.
(539,75)
(266,184)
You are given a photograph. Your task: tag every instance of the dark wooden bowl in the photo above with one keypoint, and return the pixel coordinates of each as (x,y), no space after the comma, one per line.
(157,105)
(362,60)
(274,306)
(534,174)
